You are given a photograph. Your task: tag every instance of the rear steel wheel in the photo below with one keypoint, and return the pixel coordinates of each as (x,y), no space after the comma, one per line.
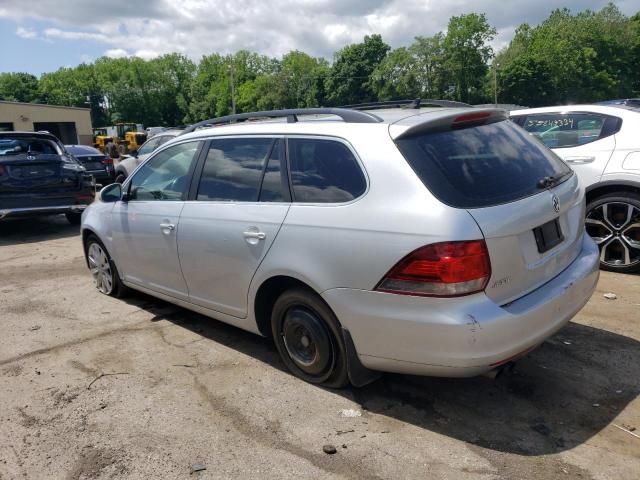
(614,224)
(309,338)
(307,342)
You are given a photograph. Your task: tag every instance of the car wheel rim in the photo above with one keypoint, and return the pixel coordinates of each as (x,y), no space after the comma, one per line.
(100,268)
(308,343)
(615,227)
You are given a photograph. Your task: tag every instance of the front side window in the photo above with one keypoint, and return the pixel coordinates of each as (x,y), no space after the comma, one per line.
(324,171)
(562,130)
(234,168)
(166,175)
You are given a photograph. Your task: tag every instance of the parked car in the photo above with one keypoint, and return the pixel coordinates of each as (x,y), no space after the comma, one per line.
(602,145)
(152,131)
(629,102)
(428,241)
(94,161)
(38,177)
(128,164)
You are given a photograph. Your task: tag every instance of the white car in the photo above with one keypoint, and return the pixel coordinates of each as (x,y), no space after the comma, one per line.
(602,144)
(128,164)
(429,241)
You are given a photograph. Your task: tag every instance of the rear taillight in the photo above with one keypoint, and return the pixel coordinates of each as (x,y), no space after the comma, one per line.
(2,170)
(446,269)
(107,161)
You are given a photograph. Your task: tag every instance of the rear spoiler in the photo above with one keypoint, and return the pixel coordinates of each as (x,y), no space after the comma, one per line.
(445,121)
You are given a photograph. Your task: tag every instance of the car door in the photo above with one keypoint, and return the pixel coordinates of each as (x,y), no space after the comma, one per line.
(584,140)
(146,224)
(231,220)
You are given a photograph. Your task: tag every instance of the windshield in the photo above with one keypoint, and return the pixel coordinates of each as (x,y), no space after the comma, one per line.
(483,166)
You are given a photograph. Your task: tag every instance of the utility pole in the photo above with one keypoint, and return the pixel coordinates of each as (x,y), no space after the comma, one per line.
(233,90)
(495,83)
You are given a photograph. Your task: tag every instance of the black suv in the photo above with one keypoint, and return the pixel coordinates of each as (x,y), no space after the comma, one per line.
(39,177)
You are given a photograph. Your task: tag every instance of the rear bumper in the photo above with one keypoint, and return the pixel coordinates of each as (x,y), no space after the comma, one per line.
(462,336)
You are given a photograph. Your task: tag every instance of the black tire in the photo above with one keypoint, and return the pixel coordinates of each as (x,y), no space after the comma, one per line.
(74,218)
(118,289)
(315,350)
(615,234)
(120,177)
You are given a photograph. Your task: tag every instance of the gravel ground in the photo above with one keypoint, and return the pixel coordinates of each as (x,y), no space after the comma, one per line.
(94,387)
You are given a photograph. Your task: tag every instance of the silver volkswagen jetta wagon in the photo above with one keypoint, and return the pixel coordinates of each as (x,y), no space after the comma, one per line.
(430,241)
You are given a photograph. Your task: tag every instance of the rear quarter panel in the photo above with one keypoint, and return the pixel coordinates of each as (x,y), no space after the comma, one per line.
(354,245)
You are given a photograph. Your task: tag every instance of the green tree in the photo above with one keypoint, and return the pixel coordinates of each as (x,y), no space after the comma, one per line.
(572,58)
(18,87)
(466,53)
(396,76)
(348,80)
(430,56)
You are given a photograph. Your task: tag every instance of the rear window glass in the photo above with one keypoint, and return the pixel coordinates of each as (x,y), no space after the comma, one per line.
(481,166)
(80,150)
(10,146)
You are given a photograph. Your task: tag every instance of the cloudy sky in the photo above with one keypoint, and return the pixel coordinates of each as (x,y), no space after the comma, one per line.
(42,35)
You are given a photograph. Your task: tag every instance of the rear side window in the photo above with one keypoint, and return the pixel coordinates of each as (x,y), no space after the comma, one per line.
(233,169)
(271,190)
(562,130)
(324,171)
(481,166)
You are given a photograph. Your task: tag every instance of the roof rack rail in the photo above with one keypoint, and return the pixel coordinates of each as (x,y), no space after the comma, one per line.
(416,103)
(291,114)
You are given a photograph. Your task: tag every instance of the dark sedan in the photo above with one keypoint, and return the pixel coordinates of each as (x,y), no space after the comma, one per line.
(38,177)
(97,163)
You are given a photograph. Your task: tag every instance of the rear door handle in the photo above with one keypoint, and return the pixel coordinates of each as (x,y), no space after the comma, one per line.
(167,226)
(257,235)
(579,160)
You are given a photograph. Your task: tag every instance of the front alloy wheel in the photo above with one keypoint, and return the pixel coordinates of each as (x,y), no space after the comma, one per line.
(614,224)
(100,267)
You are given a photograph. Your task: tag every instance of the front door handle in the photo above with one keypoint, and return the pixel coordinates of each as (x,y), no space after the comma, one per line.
(579,160)
(256,235)
(167,226)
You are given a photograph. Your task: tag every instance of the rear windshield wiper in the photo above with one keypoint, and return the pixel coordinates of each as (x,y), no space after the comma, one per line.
(551,180)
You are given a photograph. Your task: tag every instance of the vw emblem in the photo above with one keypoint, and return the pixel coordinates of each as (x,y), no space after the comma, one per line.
(556,203)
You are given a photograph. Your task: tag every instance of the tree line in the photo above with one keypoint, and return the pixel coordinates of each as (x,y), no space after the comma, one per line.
(568,58)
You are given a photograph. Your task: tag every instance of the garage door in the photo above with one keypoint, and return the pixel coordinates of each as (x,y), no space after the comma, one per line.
(65,131)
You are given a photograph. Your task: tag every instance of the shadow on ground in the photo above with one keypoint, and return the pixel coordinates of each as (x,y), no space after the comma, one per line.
(36,229)
(556,398)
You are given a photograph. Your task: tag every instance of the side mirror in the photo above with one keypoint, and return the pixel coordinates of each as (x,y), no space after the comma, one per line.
(111,193)
(134,153)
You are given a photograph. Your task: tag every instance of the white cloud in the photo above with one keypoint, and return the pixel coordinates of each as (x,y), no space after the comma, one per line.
(318,27)
(146,54)
(26,33)
(73,35)
(84,58)
(116,53)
